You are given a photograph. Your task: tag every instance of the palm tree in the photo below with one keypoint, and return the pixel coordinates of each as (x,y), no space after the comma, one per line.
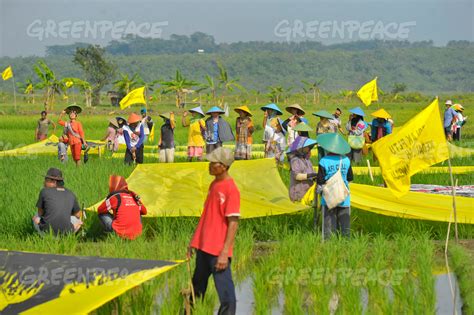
(49,83)
(178,86)
(315,87)
(227,84)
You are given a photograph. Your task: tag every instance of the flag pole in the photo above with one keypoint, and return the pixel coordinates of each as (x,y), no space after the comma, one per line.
(14,92)
(453,192)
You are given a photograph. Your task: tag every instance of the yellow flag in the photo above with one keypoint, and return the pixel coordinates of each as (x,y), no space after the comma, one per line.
(134,97)
(29,89)
(368,92)
(151,136)
(7,73)
(69,84)
(415,146)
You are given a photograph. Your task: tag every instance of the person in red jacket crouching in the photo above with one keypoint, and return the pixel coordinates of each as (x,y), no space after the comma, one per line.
(127,210)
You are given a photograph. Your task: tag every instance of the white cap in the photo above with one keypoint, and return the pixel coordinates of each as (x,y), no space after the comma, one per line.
(449,102)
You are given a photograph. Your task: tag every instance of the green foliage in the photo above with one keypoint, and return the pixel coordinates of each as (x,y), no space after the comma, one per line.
(98,70)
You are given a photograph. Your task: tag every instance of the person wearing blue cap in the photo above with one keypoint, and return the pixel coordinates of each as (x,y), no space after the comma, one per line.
(147,123)
(302,173)
(356,126)
(271,111)
(217,129)
(336,219)
(276,144)
(197,129)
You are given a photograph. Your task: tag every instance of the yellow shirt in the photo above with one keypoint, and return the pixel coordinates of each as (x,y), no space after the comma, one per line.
(195,138)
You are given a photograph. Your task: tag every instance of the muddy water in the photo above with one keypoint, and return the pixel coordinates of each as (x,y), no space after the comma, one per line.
(444,299)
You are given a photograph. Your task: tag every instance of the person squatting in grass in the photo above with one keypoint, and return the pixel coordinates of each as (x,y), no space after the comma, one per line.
(134,139)
(243,129)
(218,130)
(214,236)
(166,143)
(58,209)
(75,133)
(127,210)
(302,174)
(197,128)
(41,131)
(338,219)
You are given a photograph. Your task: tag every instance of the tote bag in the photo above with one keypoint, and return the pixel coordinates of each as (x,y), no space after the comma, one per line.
(335,190)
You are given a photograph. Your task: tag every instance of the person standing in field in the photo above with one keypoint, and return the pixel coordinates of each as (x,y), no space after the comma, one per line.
(197,129)
(134,135)
(356,126)
(41,131)
(337,219)
(166,143)
(302,174)
(381,125)
(276,144)
(459,121)
(75,133)
(324,126)
(58,209)
(127,210)
(111,138)
(270,120)
(337,120)
(297,113)
(213,239)
(147,123)
(449,116)
(244,129)
(218,130)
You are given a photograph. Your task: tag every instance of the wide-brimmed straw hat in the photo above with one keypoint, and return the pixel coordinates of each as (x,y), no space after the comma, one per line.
(245,109)
(448,102)
(114,122)
(197,110)
(273,107)
(303,127)
(215,109)
(334,143)
(357,111)
(323,114)
(73,108)
(133,118)
(381,113)
(166,115)
(296,106)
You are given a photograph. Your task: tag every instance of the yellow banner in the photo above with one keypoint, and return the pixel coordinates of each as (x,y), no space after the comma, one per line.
(136,96)
(180,189)
(417,145)
(368,92)
(7,73)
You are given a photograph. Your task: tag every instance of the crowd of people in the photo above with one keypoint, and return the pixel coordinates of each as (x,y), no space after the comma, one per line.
(213,240)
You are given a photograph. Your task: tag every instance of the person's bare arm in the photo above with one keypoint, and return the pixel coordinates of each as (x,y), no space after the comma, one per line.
(223,259)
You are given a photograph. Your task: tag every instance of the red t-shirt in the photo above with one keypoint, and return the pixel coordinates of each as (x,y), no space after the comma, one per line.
(223,200)
(127,222)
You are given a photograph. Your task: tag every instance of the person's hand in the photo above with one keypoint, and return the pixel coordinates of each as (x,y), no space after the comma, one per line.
(63,112)
(222,261)
(189,252)
(265,114)
(134,149)
(185,114)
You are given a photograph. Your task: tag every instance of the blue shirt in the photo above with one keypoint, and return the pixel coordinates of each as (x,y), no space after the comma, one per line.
(330,163)
(449,114)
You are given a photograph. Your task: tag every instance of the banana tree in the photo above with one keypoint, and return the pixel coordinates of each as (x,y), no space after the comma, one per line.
(227,84)
(347,94)
(82,85)
(28,87)
(275,93)
(315,88)
(126,83)
(178,85)
(48,82)
(211,86)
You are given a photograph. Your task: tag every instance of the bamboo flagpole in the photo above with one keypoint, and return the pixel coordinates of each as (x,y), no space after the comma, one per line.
(14,91)
(453,192)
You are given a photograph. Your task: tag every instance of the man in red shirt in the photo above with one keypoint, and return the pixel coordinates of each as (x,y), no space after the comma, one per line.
(214,237)
(126,221)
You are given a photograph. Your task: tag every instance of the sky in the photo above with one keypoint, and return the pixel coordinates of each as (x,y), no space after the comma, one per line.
(28,26)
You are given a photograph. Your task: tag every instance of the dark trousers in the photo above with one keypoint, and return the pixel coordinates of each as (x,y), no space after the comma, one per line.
(205,266)
(336,220)
(138,153)
(212,147)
